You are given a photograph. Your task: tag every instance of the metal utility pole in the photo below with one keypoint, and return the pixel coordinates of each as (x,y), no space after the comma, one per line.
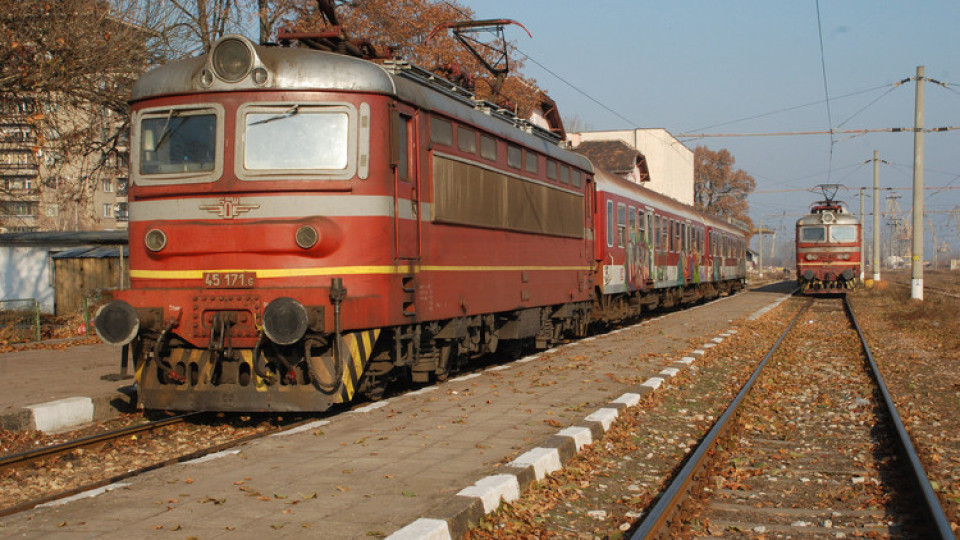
(876,216)
(916,281)
(762,231)
(863,266)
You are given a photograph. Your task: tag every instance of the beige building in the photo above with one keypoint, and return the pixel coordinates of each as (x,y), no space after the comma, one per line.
(669,164)
(41,189)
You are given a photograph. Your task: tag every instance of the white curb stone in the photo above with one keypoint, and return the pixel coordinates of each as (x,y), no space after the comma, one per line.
(717,340)
(493,488)
(423,529)
(686,360)
(581,436)
(670,371)
(653,382)
(699,352)
(628,399)
(605,416)
(60,414)
(543,460)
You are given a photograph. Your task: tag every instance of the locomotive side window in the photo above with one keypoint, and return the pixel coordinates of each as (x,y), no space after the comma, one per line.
(488,147)
(514,156)
(531,161)
(551,169)
(577,178)
(467,139)
(813,234)
(179,144)
(403,140)
(843,233)
(564,174)
(441,131)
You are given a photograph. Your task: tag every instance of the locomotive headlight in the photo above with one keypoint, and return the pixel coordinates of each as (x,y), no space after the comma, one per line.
(811,257)
(117,322)
(155,240)
(307,237)
(845,256)
(232,59)
(285,321)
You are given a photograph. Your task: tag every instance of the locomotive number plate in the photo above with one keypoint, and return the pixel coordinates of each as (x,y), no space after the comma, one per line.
(229,280)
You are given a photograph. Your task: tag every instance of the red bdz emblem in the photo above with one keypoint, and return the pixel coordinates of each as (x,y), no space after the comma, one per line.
(229,207)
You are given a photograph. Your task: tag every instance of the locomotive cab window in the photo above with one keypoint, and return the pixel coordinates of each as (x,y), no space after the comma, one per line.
(813,234)
(843,234)
(287,141)
(178,144)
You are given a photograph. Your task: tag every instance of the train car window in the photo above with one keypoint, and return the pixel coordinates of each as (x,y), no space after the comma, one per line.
(551,169)
(813,234)
(466,139)
(621,225)
(843,234)
(656,233)
(577,178)
(488,147)
(632,221)
(441,131)
(564,174)
(296,138)
(642,225)
(179,144)
(514,156)
(531,162)
(610,223)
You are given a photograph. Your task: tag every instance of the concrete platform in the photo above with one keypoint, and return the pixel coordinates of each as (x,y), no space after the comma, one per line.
(55,389)
(373,473)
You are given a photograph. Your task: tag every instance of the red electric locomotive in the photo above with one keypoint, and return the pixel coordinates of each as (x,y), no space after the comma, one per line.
(829,247)
(306,226)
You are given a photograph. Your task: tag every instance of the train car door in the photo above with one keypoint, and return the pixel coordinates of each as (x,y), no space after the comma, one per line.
(406,203)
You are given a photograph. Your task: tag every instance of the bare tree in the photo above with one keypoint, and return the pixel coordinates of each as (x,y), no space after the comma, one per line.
(719,188)
(66,69)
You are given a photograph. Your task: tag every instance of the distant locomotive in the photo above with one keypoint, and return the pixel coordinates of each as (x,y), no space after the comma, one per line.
(829,248)
(307,226)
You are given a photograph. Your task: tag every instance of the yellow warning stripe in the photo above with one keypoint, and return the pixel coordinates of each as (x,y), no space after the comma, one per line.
(835,263)
(343,271)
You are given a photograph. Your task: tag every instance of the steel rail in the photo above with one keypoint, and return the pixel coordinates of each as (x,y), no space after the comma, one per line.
(27,505)
(22,458)
(672,499)
(934,511)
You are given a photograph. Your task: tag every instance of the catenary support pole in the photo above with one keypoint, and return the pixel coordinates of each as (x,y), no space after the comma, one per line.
(916,282)
(876,215)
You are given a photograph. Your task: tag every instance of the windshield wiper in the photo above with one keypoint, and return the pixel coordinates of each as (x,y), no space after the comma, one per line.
(286,114)
(164,133)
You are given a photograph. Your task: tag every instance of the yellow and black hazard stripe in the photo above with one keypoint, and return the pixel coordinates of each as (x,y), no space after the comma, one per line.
(356,351)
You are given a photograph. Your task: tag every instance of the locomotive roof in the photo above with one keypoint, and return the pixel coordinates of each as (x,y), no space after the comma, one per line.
(828,218)
(611,183)
(290,68)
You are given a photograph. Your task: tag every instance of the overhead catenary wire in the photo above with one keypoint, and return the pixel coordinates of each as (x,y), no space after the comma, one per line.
(826,91)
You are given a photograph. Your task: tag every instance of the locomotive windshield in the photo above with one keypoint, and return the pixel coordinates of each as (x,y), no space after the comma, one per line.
(178,142)
(813,234)
(296,138)
(843,233)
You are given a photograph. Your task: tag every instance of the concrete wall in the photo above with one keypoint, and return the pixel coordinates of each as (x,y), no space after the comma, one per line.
(669,161)
(25,273)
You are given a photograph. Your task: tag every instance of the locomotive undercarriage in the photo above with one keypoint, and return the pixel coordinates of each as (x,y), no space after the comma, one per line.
(320,371)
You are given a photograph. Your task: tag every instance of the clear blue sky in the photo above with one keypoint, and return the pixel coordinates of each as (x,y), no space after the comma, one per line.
(700,66)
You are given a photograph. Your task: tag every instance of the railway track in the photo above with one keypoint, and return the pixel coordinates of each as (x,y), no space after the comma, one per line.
(812,446)
(49,456)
